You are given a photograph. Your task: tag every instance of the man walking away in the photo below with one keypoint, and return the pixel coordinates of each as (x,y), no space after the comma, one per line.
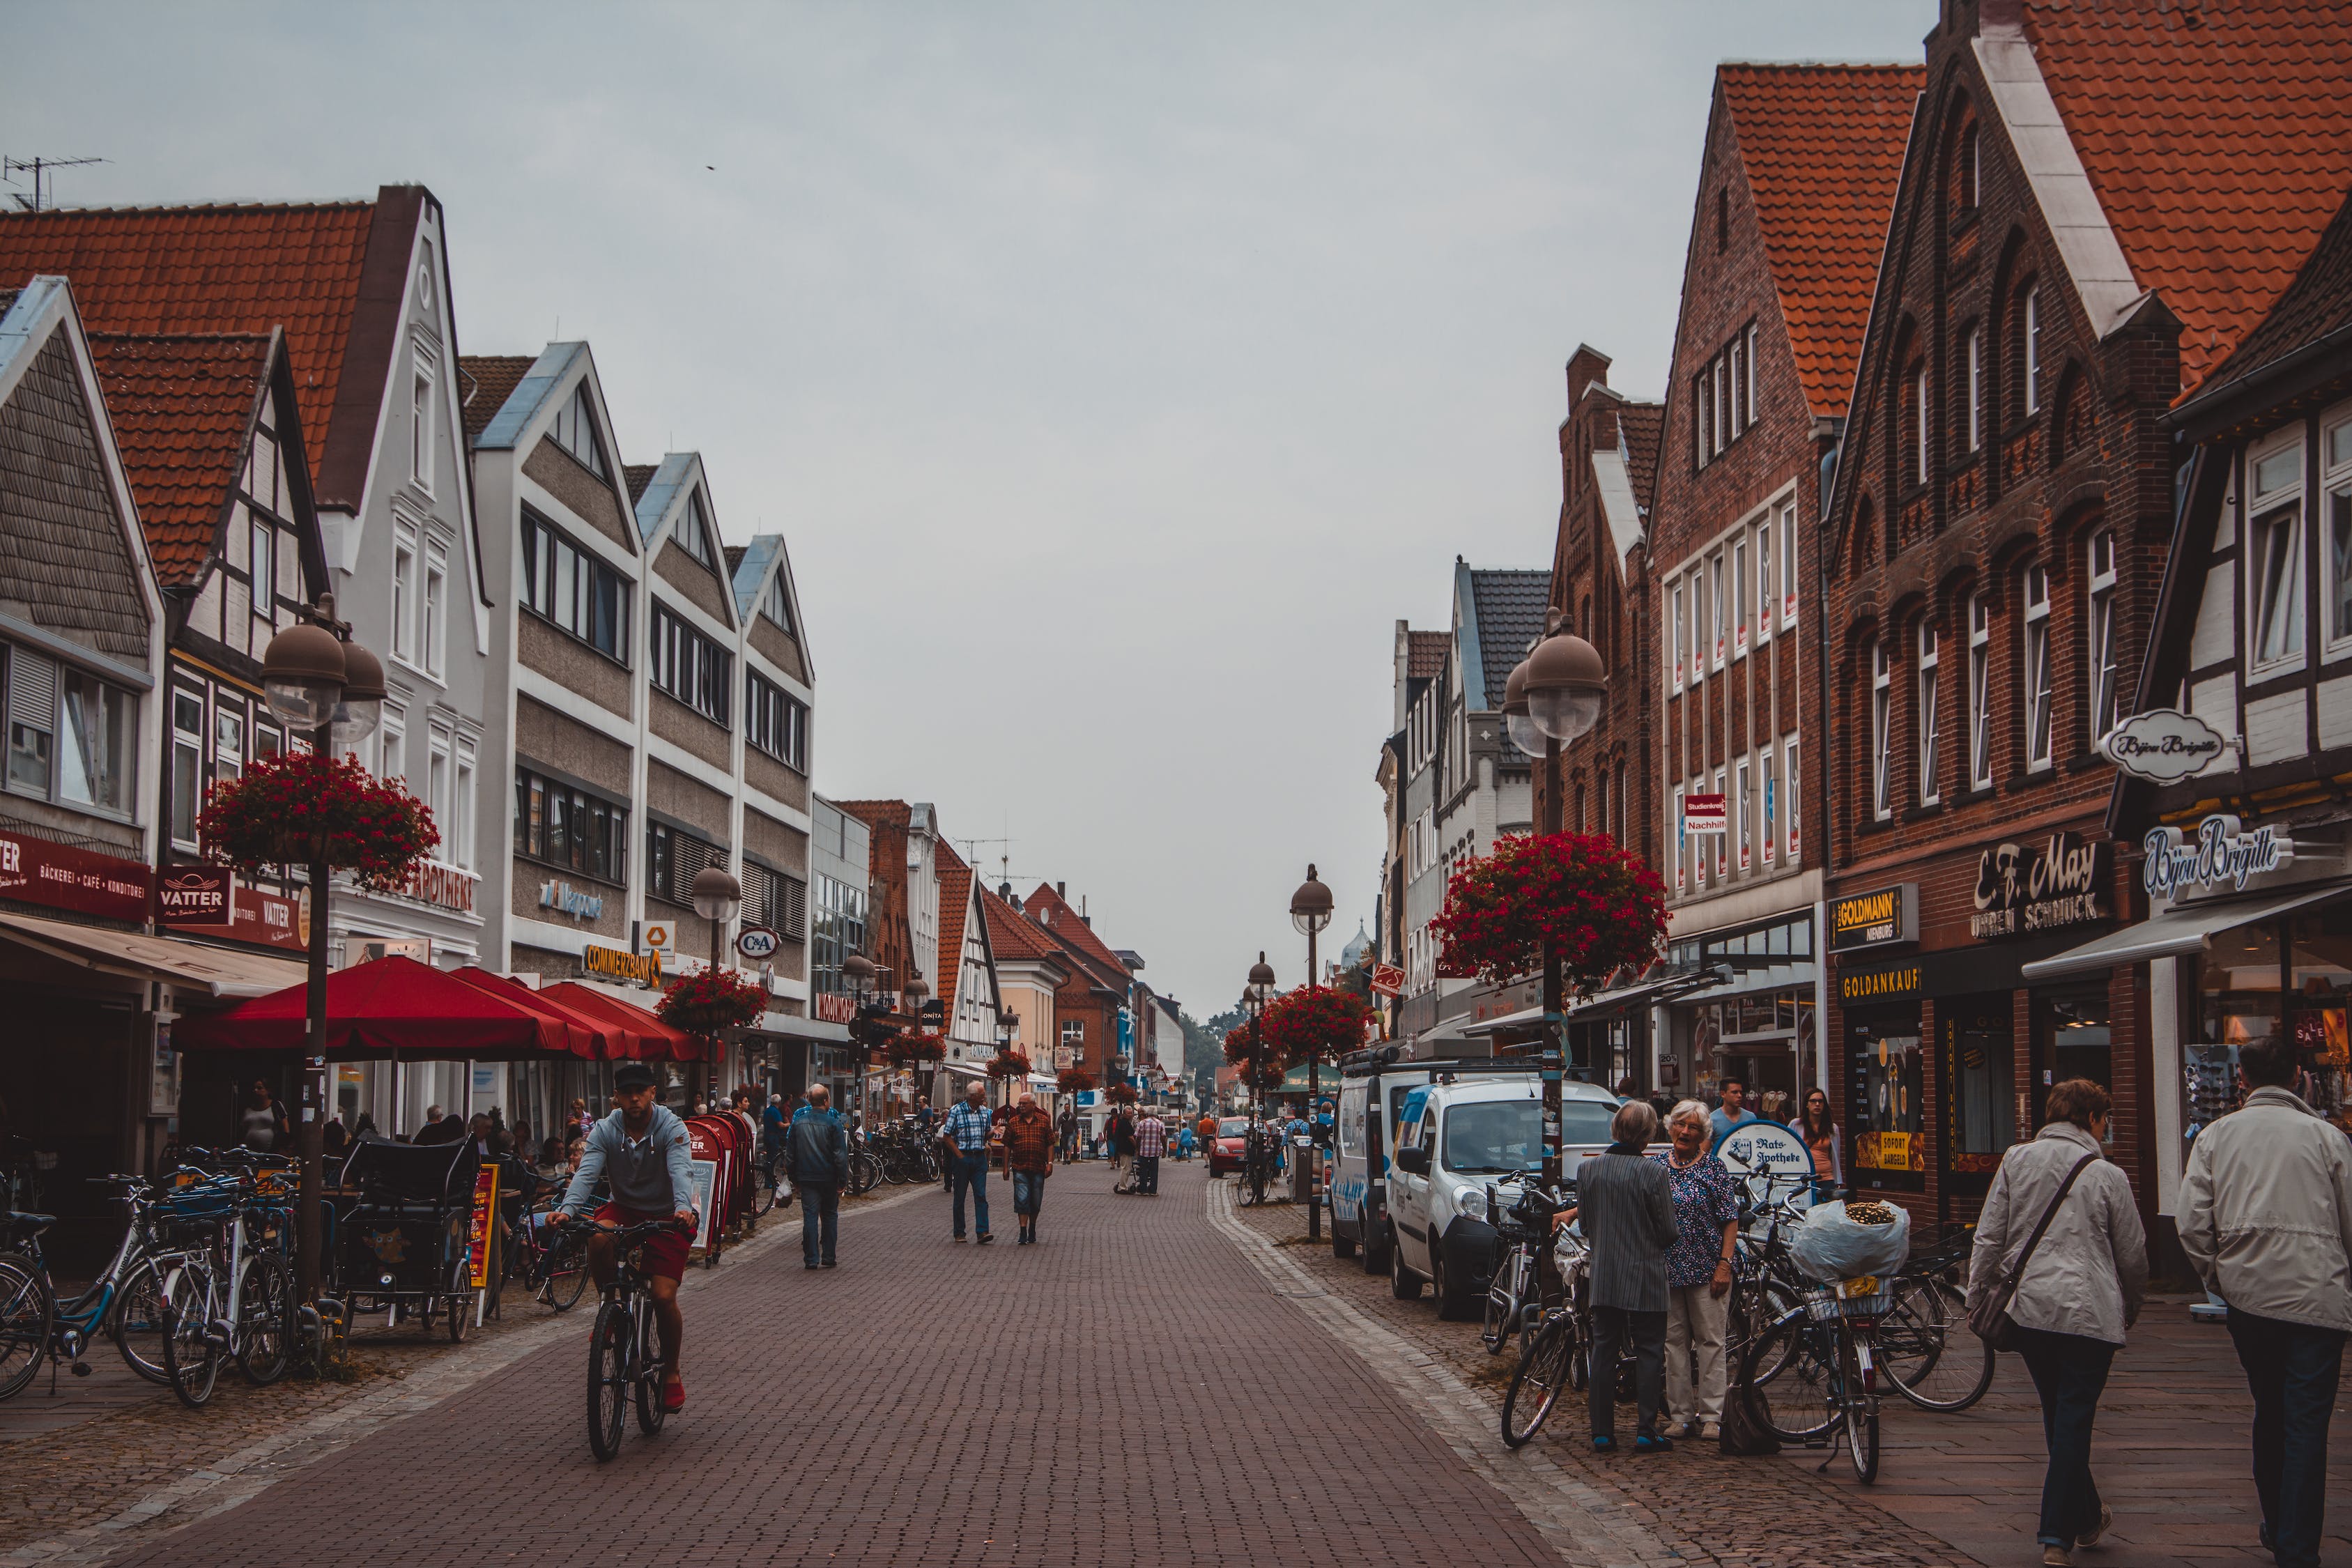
(1029,1157)
(1151,1144)
(816,1157)
(966,1137)
(2266,1221)
(1068,1128)
(1626,1206)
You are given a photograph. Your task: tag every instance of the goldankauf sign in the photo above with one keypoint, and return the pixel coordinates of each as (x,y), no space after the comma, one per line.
(2221,855)
(2023,888)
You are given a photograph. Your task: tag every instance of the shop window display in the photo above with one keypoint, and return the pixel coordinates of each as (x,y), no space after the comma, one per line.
(1885,1103)
(2257,982)
(1979,1077)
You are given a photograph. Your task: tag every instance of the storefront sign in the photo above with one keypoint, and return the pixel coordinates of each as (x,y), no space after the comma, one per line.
(1879,984)
(2024,888)
(1703,813)
(1877,918)
(1884,1151)
(2222,854)
(477,1235)
(611,962)
(756,942)
(566,899)
(2163,744)
(193,895)
(1758,1151)
(35,871)
(835,1007)
(1387,980)
(444,887)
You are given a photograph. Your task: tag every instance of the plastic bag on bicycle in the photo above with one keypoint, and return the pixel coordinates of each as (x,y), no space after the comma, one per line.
(1831,1245)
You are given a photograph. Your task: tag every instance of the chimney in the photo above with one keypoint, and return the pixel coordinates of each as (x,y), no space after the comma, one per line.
(1586,367)
(1061,890)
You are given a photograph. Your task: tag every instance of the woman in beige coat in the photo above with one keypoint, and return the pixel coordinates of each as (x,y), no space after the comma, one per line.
(2081,1290)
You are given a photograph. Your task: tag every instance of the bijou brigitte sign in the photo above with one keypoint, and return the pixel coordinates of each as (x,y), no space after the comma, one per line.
(2221,855)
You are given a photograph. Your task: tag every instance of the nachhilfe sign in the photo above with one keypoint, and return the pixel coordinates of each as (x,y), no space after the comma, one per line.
(1703,813)
(2163,744)
(1875,919)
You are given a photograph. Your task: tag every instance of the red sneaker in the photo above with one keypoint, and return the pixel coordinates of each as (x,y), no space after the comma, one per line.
(674,1396)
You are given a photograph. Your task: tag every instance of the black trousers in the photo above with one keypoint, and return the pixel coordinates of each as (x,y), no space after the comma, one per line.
(2070,1372)
(2293,1370)
(1615,1329)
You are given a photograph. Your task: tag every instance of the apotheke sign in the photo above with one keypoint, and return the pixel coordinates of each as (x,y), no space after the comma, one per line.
(2025,887)
(2221,855)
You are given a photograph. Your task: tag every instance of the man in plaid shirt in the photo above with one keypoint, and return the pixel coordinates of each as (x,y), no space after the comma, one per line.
(1150,1142)
(965,1132)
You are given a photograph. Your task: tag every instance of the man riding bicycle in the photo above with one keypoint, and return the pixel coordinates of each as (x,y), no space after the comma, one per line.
(642,1150)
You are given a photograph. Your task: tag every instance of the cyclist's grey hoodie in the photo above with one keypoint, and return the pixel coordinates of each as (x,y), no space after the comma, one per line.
(654,1177)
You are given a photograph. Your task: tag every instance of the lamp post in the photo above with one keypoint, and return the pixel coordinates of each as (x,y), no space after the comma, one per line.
(1311,911)
(717,896)
(858,972)
(1254,996)
(917,991)
(1560,684)
(315,678)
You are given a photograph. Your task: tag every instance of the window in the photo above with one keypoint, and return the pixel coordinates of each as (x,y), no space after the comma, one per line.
(776,901)
(404,593)
(694,529)
(1740,597)
(1979,692)
(1722,219)
(674,858)
(1771,804)
(1722,840)
(1702,420)
(72,737)
(775,720)
(436,782)
(1721,612)
(575,431)
(1789,564)
(574,589)
(263,568)
(1764,581)
(1678,636)
(1074,1034)
(1974,418)
(457,833)
(229,737)
(775,604)
(1789,811)
(2106,689)
(1698,626)
(1968,167)
(689,665)
(560,825)
(2030,358)
(1722,424)
(2276,614)
(2338,478)
(1739,806)
(1922,421)
(1601,817)
(187,765)
(2037,668)
(435,611)
(1882,704)
(420,429)
(1749,401)
(1928,714)
(394,728)
(1737,403)
(1674,826)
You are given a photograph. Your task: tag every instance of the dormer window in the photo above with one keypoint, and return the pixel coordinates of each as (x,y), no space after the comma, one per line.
(694,529)
(774,603)
(575,432)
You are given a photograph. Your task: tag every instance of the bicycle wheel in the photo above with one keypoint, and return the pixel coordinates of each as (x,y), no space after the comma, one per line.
(1795,1404)
(651,1374)
(864,1173)
(138,1325)
(608,1380)
(1542,1373)
(265,1319)
(29,1310)
(1861,1413)
(566,1268)
(763,1187)
(1502,1314)
(1927,1352)
(192,1356)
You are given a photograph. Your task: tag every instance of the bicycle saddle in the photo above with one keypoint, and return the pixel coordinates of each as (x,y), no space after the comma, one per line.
(24,1224)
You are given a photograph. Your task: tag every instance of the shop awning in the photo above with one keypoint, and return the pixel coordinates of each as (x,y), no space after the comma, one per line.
(816,1030)
(589,1037)
(1605,1005)
(2182,928)
(1801,975)
(168,960)
(390,1009)
(644,1034)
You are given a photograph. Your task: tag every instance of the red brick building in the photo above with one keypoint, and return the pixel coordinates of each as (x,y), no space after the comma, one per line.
(2093,211)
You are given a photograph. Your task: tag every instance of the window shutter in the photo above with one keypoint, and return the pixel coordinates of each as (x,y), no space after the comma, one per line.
(32,690)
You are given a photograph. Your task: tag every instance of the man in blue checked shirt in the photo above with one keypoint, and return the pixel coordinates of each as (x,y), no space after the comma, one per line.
(965,1132)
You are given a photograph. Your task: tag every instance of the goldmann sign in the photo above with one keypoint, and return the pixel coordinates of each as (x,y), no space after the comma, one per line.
(2023,888)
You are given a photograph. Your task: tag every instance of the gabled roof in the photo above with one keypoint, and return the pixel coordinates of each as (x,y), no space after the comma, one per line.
(1014,937)
(955,909)
(1640,427)
(493,379)
(1499,613)
(538,382)
(1067,926)
(2317,305)
(182,408)
(2218,139)
(1821,147)
(661,489)
(1426,657)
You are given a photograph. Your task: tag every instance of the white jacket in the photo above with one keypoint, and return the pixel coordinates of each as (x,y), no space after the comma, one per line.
(2266,1212)
(2089,1273)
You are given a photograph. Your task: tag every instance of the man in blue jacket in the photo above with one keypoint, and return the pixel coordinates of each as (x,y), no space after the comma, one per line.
(816,1157)
(643,1151)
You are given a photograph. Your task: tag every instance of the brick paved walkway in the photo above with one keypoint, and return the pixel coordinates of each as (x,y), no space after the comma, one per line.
(1130,1392)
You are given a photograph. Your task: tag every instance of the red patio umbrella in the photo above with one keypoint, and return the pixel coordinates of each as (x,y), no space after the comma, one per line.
(656,1040)
(592,1039)
(389,1008)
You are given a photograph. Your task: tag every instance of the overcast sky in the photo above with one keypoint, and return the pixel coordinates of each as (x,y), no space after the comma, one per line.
(1119,376)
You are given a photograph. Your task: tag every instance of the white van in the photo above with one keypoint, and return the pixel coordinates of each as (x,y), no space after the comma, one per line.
(1455,1141)
(1357,1193)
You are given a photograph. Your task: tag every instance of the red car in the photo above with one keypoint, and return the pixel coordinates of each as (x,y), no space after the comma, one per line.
(1227,1147)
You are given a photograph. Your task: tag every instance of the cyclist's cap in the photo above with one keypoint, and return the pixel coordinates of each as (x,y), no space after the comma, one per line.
(632,1075)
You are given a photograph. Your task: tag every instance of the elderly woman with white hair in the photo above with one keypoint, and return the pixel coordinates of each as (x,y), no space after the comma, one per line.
(1624,1205)
(1698,1273)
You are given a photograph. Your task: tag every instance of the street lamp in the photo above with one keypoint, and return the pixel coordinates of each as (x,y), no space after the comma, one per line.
(915,992)
(1562,683)
(316,680)
(716,896)
(1311,911)
(1254,996)
(859,973)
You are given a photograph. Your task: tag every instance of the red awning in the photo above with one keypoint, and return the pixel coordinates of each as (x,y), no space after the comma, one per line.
(389,1008)
(589,1037)
(656,1040)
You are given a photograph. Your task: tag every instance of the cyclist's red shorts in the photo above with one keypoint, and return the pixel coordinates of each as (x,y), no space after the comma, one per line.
(664,1257)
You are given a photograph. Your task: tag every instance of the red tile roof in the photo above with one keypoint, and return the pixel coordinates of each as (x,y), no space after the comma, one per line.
(212,269)
(955,905)
(2219,138)
(1054,912)
(879,813)
(1426,655)
(1641,423)
(183,409)
(1822,149)
(490,380)
(1013,936)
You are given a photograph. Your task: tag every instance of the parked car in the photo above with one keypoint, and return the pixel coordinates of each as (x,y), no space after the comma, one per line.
(1357,1193)
(1456,1142)
(1230,1146)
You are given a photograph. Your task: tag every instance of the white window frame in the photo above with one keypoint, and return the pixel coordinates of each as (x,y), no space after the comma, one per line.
(406,550)
(1739,597)
(1979,692)
(2335,503)
(1764,580)
(2275,632)
(189,741)
(440,770)
(2040,698)
(1744,779)
(1789,564)
(1699,626)
(1929,716)
(1791,800)
(420,432)
(1721,610)
(1734,366)
(457,843)
(1769,804)
(1882,716)
(433,609)
(1975,388)
(1752,374)
(1722,840)
(2100,653)
(394,727)
(1698,841)
(1678,636)
(1682,856)
(2032,346)
(1919,456)
(1722,421)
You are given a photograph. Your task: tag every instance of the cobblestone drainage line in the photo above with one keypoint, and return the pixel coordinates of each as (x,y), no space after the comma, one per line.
(227,1482)
(1585,1527)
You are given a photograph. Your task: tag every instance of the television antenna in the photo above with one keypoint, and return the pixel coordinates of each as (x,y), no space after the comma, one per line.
(40,169)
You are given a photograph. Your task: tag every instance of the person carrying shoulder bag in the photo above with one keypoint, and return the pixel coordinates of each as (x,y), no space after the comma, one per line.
(2058,1273)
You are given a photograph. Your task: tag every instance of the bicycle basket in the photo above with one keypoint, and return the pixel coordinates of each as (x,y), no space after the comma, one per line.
(202,1202)
(1825,1305)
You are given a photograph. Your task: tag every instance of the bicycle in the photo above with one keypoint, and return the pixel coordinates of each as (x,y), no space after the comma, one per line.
(625,1347)
(125,1303)
(1823,1381)
(231,1299)
(1928,1352)
(1513,1304)
(548,1261)
(1558,1356)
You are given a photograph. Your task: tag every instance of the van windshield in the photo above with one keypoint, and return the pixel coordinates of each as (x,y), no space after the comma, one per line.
(1502,1137)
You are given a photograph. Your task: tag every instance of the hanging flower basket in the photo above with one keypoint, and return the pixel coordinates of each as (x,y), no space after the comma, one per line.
(914,1051)
(709,1002)
(1120,1094)
(1243,1045)
(1315,1022)
(1072,1081)
(1601,908)
(272,814)
(1010,1063)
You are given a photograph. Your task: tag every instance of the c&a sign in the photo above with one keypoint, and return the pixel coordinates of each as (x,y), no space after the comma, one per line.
(2024,888)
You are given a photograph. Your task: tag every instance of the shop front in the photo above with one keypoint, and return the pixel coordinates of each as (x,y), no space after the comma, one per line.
(1747,1007)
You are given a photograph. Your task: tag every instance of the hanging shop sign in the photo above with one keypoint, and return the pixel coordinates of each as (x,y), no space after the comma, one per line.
(2026,888)
(756,942)
(1703,813)
(193,895)
(37,871)
(642,967)
(2222,854)
(1387,980)
(1876,919)
(2163,744)
(835,1007)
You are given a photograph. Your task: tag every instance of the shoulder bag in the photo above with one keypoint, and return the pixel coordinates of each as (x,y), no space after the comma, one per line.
(1990,1320)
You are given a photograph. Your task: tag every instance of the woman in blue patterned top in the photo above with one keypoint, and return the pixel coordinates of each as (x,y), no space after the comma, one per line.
(1698,1273)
